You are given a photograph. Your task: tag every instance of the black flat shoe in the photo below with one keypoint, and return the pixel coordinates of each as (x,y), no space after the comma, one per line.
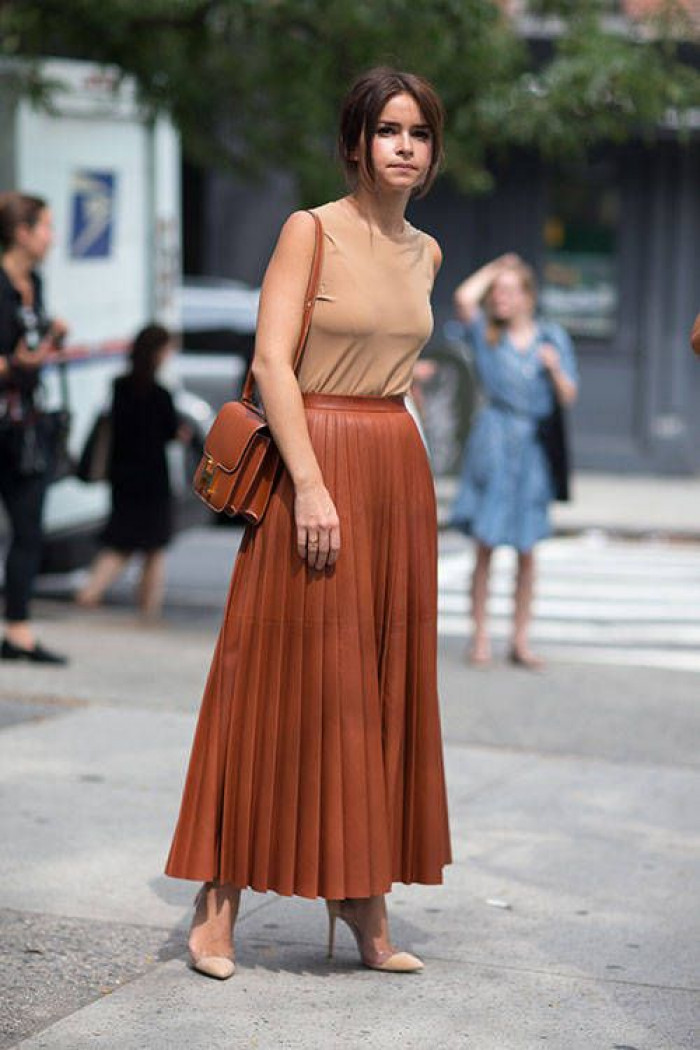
(36,655)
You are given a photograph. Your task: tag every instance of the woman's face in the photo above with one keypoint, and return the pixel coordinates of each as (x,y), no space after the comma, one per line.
(37,239)
(165,351)
(402,146)
(509,299)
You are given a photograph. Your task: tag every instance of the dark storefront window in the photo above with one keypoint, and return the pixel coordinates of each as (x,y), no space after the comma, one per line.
(581,236)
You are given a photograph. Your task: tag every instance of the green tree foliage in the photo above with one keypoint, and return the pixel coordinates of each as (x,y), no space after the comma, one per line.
(257,83)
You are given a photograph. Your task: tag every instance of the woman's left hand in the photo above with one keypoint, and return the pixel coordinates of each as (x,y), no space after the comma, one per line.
(549,356)
(564,388)
(57,333)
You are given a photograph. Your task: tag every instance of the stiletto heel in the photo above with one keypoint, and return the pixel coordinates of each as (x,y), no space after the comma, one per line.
(220,967)
(388,962)
(333,913)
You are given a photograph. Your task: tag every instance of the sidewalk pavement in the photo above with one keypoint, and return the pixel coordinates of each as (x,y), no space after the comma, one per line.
(567,920)
(628,504)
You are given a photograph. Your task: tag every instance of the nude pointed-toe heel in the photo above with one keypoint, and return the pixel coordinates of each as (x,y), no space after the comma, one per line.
(221,967)
(398,962)
(393,962)
(217,966)
(333,913)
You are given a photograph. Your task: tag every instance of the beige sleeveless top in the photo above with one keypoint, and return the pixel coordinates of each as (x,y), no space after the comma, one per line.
(372,313)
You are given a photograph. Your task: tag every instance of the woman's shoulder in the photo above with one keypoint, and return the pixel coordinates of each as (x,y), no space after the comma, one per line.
(434,249)
(8,293)
(298,231)
(162,393)
(331,212)
(331,209)
(554,332)
(428,243)
(475,328)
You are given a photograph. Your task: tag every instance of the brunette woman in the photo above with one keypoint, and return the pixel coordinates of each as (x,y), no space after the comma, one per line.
(317,763)
(144,421)
(28,339)
(523,363)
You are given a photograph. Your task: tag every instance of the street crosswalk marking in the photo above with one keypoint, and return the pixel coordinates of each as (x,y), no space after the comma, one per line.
(597,601)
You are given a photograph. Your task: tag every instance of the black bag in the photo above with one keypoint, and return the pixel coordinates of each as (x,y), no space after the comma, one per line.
(59,424)
(38,441)
(552,435)
(93,464)
(31,446)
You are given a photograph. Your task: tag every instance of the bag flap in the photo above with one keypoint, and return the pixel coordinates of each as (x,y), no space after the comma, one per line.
(234,429)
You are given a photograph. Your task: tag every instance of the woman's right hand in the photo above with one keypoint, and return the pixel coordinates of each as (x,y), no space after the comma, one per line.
(31,360)
(318,526)
(509,259)
(472,290)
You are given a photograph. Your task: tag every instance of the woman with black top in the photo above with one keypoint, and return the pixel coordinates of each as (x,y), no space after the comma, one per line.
(27,340)
(143,422)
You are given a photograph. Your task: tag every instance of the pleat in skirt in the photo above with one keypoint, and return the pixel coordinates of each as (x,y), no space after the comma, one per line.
(317,768)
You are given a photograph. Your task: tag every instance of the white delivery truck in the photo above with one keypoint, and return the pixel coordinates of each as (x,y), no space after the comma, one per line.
(111,176)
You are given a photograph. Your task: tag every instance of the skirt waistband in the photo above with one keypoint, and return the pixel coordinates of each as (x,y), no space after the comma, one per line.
(341,403)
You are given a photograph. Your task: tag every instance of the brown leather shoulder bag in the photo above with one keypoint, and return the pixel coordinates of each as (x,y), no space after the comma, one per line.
(240,463)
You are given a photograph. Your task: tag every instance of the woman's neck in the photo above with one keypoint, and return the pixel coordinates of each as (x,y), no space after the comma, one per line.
(384,211)
(522,325)
(18,265)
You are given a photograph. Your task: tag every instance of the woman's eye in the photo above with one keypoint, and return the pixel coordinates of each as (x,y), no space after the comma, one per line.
(385,129)
(422,134)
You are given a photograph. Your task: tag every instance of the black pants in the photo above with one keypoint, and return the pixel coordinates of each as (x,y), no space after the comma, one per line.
(23,498)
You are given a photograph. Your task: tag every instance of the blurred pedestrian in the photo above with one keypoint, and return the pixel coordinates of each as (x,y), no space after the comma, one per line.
(317,765)
(523,364)
(695,335)
(143,422)
(28,339)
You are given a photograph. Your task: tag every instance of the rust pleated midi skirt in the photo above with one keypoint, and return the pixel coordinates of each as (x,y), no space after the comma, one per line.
(317,768)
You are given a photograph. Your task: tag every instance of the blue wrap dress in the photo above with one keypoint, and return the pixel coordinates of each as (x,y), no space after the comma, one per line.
(506,486)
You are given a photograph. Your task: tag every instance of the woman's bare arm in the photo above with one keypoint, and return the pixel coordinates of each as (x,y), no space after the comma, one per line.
(695,335)
(436,252)
(279,322)
(472,290)
(565,388)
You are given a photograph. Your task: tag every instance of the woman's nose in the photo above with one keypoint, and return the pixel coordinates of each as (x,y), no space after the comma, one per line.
(405,145)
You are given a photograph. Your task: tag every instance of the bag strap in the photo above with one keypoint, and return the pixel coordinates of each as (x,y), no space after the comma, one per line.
(309,300)
(65,388)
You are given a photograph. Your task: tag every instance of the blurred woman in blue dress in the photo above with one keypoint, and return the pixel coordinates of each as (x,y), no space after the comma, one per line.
(506,487)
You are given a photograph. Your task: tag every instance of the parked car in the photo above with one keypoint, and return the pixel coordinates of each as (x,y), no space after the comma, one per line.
(218,337)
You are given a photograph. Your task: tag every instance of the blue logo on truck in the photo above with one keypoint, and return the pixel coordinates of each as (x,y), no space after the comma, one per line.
(92,220)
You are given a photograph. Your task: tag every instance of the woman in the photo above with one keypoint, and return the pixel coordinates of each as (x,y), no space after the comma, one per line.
(317,766)
(506,486)
(144,421)
(27,341)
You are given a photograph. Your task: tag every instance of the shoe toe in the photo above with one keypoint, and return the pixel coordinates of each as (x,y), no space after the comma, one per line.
(400,962)
(215,966)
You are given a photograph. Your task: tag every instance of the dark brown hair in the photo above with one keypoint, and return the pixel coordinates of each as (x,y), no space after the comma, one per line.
(145,350)
(360,115)
(17,209)
(528,283)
